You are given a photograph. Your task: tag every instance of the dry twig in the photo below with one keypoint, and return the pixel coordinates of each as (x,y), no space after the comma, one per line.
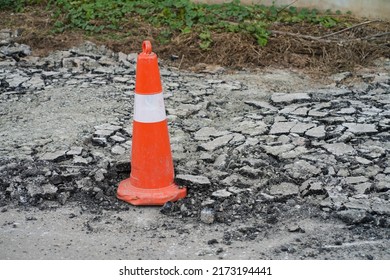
(321,39)
(349,28)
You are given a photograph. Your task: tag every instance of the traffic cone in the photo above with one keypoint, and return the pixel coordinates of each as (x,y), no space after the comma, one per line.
(151,179)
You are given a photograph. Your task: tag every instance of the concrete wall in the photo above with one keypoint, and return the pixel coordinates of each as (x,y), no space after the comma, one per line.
(373,9)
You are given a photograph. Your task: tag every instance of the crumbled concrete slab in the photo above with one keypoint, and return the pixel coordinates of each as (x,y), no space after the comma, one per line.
(253,161)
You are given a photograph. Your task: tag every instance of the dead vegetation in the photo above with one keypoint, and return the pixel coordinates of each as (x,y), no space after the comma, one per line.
(302,45)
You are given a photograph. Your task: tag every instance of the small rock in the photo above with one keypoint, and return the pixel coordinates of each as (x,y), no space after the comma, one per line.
(56,179)
(316,132)
(80,160)
(356,180)
(359,204)
(208,202)
(235,190)
(284,139)
(383,183)
(337,92)
(50,74)
(103,133)
(217,143)
(277,150)
(103,70)
(284,189)
(295,228)
(62,197)
(343,172)
(100,141)
(17,49)
(347,111)
(49,189)
(75,151)
(132,57)
(301,111)
(55,156)
(221,194)
(261,104)
(267,197)
(212,242)
(184,210)
(249,172)
(315,188)
(191,179)
(33,190)
(353,217)
(232,180)
(118,150)
(207,215)
(281,127)
(99,174)
(207,157)
(251,128)
(220,162)
(108,126)
(339,77)
(339,149)
(289,97)
(381,207)
(294,153)
(122,57)
(301,127)
(302,169)
(360,128)
(35,83)
(362,188)
(5,36)
(167,208)
(117,139)
(363,160)
(316,113)
(79,63)
(120,79)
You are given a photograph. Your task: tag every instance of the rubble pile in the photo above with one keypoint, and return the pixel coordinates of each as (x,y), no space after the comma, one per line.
(240,155)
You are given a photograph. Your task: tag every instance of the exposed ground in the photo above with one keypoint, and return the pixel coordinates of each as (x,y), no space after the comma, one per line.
(279,164)
(312,48)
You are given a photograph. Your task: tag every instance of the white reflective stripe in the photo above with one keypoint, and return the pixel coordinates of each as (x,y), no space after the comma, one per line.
(149,108)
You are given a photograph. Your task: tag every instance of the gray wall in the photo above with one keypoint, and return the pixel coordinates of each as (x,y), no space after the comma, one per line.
(373,9)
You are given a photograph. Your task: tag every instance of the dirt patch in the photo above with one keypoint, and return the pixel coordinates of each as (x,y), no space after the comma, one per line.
(290,45)
(284,50)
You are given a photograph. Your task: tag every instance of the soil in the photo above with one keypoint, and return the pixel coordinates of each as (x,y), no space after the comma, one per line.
(287,47)
(64,206)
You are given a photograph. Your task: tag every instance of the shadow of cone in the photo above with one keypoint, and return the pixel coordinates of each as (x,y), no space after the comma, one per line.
(151,180)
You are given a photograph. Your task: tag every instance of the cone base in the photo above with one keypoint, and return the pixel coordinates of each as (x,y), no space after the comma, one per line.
(137,196)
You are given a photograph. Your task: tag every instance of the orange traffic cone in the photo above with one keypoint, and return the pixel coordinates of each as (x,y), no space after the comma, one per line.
(151,180)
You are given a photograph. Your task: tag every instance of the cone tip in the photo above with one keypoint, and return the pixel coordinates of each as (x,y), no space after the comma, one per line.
(147,47)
